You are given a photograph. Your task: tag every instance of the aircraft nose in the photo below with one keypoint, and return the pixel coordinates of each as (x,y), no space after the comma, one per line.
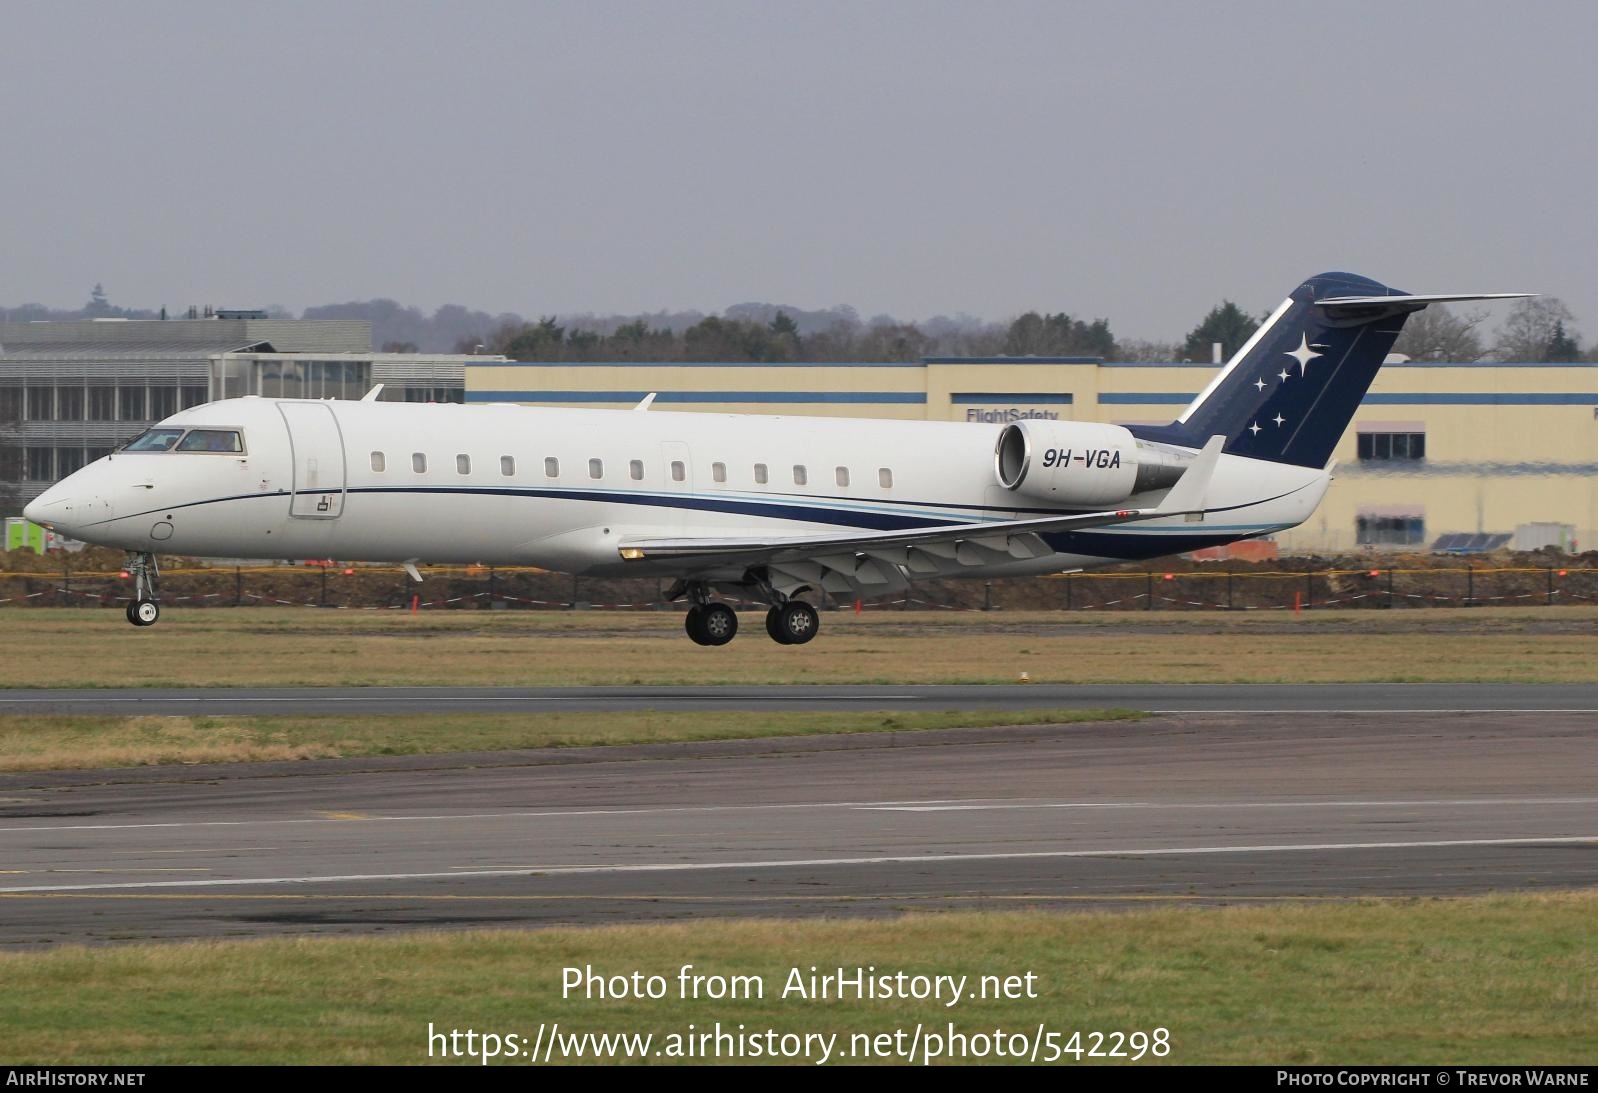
(51,508)
(68,507)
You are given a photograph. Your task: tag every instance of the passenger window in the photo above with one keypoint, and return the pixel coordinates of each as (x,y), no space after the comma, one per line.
(507,465)
(418,462)
(463,464)
(551,467)
(718,471)
(596,468)
(842,475)
(760,474)
(211,440)
(799,476)
(678,471)
(636,470)
(885,477)
(378,462)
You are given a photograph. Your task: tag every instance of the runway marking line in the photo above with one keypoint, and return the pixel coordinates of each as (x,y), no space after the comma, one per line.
(812,863)
(912,805)
(333,815)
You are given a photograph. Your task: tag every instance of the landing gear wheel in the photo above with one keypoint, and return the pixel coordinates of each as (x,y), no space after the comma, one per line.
(144,612)
(718,622)
(774,626)
(797,622)
(711,624)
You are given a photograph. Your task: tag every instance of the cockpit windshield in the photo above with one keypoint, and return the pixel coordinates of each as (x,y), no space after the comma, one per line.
(211,440)
(153,440)
(195,440)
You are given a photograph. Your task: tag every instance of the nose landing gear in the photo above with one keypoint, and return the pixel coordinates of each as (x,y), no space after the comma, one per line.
(143,610)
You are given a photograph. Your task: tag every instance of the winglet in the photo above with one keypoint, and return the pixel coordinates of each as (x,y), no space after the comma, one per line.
(1186,498)
(646,401)
(410,570)
(371,396)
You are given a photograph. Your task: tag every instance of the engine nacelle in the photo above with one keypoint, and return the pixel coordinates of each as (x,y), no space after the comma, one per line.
(1081,463)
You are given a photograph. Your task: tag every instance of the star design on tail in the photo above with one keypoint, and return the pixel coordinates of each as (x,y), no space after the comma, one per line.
(1304,354)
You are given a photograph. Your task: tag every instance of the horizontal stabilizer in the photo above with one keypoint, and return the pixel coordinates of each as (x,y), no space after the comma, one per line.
(1348,306)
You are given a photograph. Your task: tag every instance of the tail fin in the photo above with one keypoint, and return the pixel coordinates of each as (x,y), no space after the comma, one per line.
(1290,392)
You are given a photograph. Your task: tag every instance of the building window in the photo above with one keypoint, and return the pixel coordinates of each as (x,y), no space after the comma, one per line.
(68,460)
(507,466)
(94,454)
(69,403)
(596,468)
(10,404)
(41,464)
(435,394)
(1391,447)
(718,472)
(40,403)
(463,464)
(191,395)
(163,402)
(799,475)
(885,477)
(842,476)
(1375,530)
(102,404)
(635,470)
(679,472)
(551,467)
(760,474)
(418,462)
(378,462)
(130,404)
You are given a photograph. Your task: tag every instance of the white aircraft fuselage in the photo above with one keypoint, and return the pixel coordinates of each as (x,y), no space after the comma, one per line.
(313,492)
(775,508)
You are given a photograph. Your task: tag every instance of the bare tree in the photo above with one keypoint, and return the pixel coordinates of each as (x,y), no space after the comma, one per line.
(1532,329)
(1438,334)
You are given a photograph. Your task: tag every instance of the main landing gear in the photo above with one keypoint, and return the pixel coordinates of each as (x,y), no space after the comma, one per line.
(143,610)
(709,622)
(792,623)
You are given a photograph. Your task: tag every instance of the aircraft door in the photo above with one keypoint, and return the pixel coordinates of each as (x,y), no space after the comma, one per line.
(317,447)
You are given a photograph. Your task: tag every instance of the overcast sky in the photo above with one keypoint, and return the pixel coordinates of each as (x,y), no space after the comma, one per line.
(1136,161)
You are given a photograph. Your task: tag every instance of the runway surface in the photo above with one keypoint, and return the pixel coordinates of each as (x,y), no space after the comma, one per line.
(1162,698)
(1187,808)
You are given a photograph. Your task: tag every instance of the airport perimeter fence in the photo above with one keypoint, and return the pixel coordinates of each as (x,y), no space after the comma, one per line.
(1199,587)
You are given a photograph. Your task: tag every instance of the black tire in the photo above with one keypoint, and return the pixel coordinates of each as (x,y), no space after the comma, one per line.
(144,612)
(774,626)
(132,619)
(718,623)
(694,624)
(798,622)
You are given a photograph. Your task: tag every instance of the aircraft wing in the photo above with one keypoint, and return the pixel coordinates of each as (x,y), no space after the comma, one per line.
(871,558)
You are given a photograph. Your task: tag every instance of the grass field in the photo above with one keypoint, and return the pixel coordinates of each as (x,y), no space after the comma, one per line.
(1500,979)
(306,647)
(60,742)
